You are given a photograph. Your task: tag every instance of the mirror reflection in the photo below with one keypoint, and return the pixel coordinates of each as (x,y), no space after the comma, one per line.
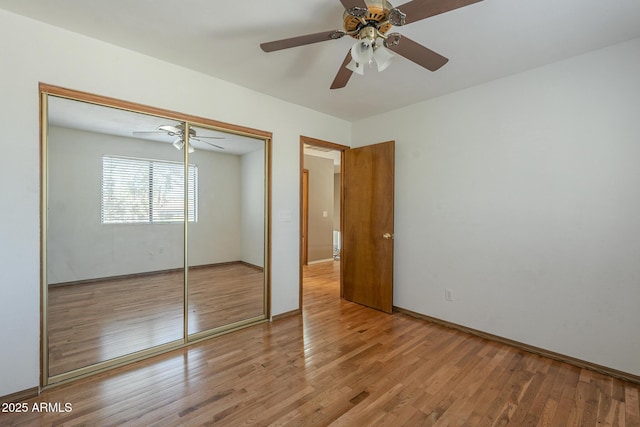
(226,244)
(115,238)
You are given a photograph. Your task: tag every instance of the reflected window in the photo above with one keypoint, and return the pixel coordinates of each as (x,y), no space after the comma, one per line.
(142,191)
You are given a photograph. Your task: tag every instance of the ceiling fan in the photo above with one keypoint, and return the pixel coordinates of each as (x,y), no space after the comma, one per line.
(178,131)
(369,22)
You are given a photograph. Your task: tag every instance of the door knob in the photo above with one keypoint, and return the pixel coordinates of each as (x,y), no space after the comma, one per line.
(387,236)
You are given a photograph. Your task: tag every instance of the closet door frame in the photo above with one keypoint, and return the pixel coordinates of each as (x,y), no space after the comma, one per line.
(46,90)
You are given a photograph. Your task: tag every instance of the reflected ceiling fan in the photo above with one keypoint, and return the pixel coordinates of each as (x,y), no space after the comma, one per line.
(178,131)
(369,22)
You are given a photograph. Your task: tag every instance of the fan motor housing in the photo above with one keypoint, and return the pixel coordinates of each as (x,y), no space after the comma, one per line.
(378,12)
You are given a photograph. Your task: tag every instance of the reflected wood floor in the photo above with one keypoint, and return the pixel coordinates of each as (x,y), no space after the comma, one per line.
(97,321)
(343,364)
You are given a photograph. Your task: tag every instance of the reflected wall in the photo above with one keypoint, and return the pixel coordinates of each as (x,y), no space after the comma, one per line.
(226,285)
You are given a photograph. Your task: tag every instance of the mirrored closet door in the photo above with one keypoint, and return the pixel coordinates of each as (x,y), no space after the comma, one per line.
(130,198)
(226,244)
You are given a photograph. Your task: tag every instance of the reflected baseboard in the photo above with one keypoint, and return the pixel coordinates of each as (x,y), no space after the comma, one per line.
(151,273)
(248,264)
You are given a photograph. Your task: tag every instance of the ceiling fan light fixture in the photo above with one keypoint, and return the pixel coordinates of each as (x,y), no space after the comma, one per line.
(355,67)
(362,52)
(382,57)
(179,144)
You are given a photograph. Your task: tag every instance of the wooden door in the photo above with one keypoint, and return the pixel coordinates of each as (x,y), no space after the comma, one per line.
(367,251)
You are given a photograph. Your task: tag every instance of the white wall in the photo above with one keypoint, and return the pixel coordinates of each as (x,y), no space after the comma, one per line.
(34,52)
(252,208)
(522,197)
(336,201)
(216,236)
(74,226)
(320,233)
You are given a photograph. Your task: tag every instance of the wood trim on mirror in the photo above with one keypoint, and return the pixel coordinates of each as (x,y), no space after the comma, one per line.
(146,109)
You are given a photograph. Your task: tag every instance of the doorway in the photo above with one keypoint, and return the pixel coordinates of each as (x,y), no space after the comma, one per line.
(321,201)
(364,244)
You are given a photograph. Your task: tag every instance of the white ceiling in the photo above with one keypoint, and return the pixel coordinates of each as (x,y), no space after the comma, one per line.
(483,41)
(113,121)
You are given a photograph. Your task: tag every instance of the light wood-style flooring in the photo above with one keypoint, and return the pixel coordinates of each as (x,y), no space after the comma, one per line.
(97,321)
(343,364)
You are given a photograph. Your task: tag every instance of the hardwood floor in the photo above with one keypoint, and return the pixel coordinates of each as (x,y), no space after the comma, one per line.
(94,322)
(342,364)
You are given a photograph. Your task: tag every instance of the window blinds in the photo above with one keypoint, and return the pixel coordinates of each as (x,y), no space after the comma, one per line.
(139,191)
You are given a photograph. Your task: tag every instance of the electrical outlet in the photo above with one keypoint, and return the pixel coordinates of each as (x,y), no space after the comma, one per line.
(448,294)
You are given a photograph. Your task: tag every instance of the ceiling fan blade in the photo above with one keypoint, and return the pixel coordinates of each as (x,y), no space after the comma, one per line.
(148,132)
(417,10)
(210,137)
(172,130)
(357,8)
(302,40)
(207,142)
(344,74)
(415,52)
